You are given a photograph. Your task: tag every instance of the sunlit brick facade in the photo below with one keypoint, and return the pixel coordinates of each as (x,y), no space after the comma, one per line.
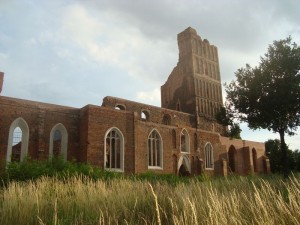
(182,137)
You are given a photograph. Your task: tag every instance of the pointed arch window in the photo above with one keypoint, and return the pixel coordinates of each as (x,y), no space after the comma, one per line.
(209,157)
(155,150)
(184,141)
(18,137)
(114,150)
(58,145)
(16,145)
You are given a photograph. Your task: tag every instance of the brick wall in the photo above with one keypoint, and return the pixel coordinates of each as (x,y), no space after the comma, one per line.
(41,118)
(87,127)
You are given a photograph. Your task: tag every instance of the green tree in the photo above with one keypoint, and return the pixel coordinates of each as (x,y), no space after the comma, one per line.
(235,131)
(268,96)
(225,118)
(297,160)
(274,153)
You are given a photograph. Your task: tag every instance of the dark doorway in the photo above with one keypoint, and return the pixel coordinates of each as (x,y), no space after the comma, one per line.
(231,159)
(183,172)
(254,159)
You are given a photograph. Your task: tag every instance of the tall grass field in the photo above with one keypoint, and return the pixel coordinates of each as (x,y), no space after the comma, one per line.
(83,200)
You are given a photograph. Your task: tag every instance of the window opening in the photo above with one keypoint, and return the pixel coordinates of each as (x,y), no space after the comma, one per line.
(16,145)
(155,149)
(209,161)
(114,150)
(120,107)
(145,115)
(57,138)
(184,141)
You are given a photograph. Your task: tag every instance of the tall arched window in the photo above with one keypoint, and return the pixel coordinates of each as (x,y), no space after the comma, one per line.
(195,142)
(18,137)
(114,150)
(58,145)
(154,150)
(209,156)
(184,141)
(16,145)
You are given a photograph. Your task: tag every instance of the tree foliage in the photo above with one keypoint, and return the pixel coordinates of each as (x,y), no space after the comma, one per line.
(225,118)
(268,96)
(275,154)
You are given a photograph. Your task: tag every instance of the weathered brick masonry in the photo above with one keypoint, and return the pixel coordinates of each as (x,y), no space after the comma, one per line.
(182,137)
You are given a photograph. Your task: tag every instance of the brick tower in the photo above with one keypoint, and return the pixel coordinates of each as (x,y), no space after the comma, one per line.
(194,86)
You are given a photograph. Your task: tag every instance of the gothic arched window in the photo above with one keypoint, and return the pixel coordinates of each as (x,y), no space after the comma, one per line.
(114,150)
(154,149)
(209,156)
(184,141)
(17,147)
(58,141)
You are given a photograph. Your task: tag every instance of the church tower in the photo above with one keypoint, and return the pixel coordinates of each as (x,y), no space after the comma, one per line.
(194,85)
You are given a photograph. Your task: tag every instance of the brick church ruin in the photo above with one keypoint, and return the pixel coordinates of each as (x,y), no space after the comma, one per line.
(182,137)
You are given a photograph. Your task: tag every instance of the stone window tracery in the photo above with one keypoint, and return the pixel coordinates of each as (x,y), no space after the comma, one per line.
(184,141)
(114,150)
(154,150)
(209,158)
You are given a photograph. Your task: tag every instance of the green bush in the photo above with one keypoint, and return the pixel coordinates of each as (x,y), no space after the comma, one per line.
(30,169)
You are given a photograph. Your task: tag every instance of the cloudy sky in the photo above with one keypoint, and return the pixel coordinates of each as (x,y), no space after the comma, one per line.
(77,52)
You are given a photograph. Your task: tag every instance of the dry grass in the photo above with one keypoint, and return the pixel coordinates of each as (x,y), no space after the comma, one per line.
(79,200)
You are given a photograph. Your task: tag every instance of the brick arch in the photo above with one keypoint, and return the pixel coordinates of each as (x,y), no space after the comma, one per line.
(184,141)
(120,106)
(145,114)
(184,161)
(21,123)
(232,159)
